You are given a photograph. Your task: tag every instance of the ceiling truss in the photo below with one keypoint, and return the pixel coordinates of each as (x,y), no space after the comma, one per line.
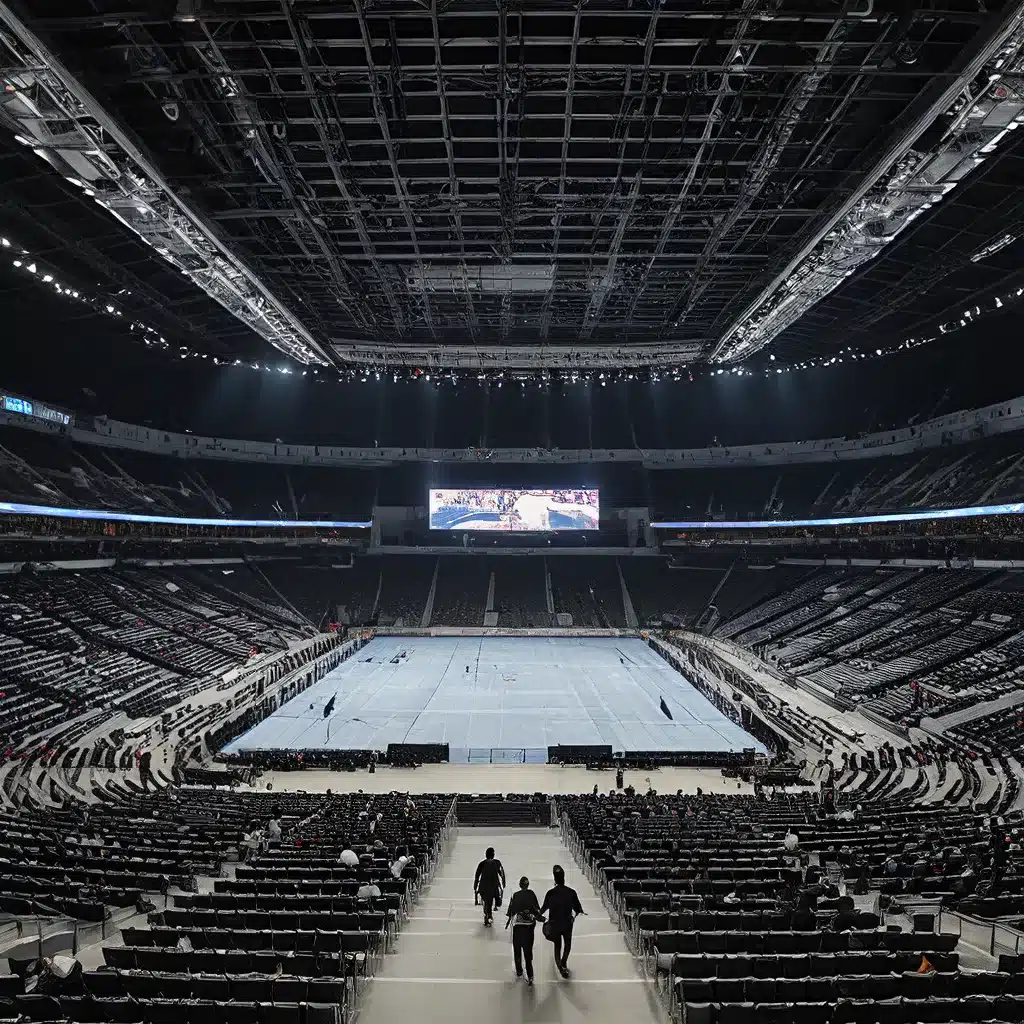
(511,183)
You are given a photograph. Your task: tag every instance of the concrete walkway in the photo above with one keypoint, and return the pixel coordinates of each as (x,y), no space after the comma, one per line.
(449,967)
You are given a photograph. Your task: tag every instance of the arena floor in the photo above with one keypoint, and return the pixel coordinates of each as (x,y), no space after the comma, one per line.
(500,700)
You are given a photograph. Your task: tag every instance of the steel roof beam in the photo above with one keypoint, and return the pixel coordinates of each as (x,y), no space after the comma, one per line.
(879,161)
(338,178)
(696,10)
(385,132)
(706,144)
(773,146)
(219,271)
(607,284)
(570,95)
(512,356)
(266,159)
(453,178)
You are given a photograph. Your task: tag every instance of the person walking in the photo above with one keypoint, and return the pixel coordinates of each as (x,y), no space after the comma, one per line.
(146,775)
(523,915)
(488,883)
(562,905)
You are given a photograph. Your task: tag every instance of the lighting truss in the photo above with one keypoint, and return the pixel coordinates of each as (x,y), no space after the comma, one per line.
(49,111)
(925,170)
(494,185)
(510,356)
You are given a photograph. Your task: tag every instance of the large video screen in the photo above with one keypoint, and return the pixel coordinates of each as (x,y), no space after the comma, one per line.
(505,510)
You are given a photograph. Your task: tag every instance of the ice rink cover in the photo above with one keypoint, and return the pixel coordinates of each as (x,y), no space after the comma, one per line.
(509,697)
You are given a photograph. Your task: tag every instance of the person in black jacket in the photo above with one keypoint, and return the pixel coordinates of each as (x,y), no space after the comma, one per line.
(563,907)
(146,775)
(488,883)
(523,915)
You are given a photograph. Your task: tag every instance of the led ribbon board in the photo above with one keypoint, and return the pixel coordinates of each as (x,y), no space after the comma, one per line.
(36,410)
(14,508)
(1015,509)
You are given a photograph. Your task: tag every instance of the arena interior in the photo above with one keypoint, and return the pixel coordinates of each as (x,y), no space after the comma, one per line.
(589,429)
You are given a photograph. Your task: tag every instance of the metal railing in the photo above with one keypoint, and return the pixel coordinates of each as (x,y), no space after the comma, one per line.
(992,937)
(36,937)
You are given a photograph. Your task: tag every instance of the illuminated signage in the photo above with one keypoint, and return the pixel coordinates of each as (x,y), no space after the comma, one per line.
(14,508)
(1015,509)
(24,407)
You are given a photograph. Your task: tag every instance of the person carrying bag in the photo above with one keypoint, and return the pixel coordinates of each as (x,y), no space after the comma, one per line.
(562,905)
(488,884)
(523,915)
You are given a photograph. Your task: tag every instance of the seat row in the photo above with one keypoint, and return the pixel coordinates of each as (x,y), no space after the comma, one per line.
(688,942)
(322,874)
(934,1010)
(799,965)
(642,870)
(268,920)
(345,887)
(716,920)
(641,893)
(320,904)
(221,987)
(42,1009)
(145,881)
(357,947)
(25,906)
(911,985)
(315,941)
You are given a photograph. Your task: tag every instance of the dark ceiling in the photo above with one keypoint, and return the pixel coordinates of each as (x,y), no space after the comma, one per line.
(475,174)
(931,274)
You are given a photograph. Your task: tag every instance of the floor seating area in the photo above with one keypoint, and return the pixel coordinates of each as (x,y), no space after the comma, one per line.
(291,937)
(733,905)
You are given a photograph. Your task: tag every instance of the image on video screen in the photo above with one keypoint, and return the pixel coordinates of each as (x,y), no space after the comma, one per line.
(508,510)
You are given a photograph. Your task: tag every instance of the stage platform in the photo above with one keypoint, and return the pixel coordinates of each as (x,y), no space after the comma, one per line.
(500,700)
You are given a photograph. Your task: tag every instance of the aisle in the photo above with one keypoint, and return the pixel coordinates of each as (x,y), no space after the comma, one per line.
(448,967)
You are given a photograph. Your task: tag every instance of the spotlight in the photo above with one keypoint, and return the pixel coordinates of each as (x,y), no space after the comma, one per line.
(170,109)
(186,11)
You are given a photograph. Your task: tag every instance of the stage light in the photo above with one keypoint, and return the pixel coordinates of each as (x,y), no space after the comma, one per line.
(186,12)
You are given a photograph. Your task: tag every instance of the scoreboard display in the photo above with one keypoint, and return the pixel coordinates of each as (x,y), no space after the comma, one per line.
(36,410)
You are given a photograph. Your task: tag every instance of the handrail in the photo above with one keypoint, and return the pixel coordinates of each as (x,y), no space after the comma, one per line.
(995,936)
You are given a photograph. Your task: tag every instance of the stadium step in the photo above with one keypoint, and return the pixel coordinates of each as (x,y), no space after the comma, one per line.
(449,966)
(503,813)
